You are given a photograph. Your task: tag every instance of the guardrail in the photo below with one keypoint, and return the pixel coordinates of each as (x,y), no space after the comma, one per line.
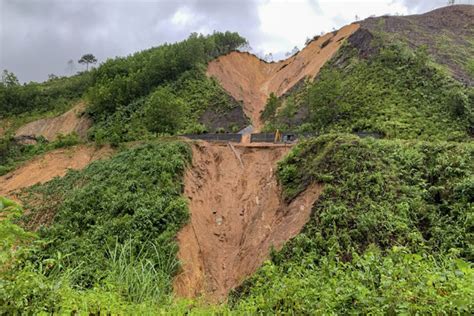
(237,138)
(287,137)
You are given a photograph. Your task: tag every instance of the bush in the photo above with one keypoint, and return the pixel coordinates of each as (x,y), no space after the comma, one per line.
(163,112)
(134,197)
(390,233)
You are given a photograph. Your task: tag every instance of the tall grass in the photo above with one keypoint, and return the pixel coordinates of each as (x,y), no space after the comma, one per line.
(138,277)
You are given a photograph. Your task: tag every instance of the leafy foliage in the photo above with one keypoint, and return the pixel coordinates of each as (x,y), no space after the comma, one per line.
(398,282)
(113,232)
(119,82)
(378,195)
(398,93)
(12,153)
(134,196)
(53,95)
(177,107)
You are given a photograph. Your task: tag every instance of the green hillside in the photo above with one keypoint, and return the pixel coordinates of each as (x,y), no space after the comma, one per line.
(392,232)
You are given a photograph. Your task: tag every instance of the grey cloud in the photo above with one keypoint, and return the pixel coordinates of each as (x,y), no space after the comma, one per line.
(39,37)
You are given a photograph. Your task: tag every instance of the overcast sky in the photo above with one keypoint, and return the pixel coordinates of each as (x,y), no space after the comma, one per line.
(38,37)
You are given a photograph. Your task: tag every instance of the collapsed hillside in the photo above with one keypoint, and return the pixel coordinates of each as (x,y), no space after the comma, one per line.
(53,164)
(237,216)
(389,234)
(386,81)
(73,121)
(251,80)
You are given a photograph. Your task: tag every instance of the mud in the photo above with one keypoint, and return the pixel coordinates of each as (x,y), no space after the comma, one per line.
(67,123)
(237,216)
(251,80)
(52,164)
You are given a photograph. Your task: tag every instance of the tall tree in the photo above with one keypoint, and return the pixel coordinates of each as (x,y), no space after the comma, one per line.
(9,79)
(87,59)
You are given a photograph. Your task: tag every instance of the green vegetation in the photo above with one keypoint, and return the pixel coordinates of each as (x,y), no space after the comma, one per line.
(391,233)
(112,232)
(55,95)
(398,93)
(174,108)
(121,88)
(121,81)
(12,153)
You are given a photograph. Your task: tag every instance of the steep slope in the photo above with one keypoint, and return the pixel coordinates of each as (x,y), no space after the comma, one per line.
(392,78)
(70,122)
(251,80)
(237,216)
(447,33)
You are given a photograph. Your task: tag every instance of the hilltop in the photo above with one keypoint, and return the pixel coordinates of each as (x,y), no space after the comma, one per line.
(127,204)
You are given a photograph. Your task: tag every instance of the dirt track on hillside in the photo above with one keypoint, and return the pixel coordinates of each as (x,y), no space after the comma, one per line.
(67,123)
(251,80)
(52,164)
(237,215)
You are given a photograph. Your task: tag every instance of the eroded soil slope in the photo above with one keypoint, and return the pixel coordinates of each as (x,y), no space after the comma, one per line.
(237,215)
(50,165)
(251,80)
(67,123)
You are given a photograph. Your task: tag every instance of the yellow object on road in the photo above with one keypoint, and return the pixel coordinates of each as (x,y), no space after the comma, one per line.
(277,136)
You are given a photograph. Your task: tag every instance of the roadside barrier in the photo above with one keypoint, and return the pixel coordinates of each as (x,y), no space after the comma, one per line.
(287,137)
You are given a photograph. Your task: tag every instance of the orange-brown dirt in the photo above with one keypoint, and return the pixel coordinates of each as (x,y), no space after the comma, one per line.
(251,80)
(237,216)
(52,164)
(67,123)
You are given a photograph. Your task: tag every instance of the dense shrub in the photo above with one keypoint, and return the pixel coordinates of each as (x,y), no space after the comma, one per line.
(398,282)
(163,112)
(398,93)
(55,94)
(378,194)
(173,108)
(118,82)
(135,196)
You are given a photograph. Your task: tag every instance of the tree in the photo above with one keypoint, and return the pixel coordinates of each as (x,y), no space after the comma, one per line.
(9,79)
(70,66)
(87,59)
(164,111)
(451,2)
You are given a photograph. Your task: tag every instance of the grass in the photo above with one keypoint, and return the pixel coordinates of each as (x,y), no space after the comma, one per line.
(398,93)
(138,278)
(391,232)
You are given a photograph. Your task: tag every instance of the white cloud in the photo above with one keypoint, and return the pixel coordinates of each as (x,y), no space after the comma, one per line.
(182,17)
(285,23)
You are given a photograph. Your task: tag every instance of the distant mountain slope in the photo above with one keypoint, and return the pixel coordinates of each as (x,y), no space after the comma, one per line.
(447,32)
(402,77)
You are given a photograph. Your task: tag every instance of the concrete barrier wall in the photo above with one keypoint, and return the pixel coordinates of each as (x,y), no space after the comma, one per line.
(237,138)
(262,138)
(266,137)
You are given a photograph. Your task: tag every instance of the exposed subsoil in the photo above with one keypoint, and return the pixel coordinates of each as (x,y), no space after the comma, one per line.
(251,80)
(237,216)
(52,164)
(67,123)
